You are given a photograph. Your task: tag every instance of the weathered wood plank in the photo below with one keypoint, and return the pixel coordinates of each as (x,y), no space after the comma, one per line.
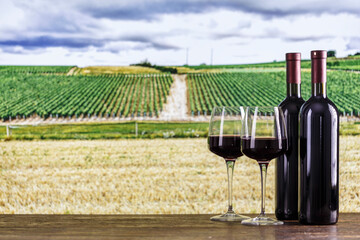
(163,227)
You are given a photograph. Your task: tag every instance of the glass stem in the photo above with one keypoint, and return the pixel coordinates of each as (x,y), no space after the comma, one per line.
(263,170)
(230,164)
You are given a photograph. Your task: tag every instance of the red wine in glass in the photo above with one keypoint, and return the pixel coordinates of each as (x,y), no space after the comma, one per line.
(227,146)
(264,148)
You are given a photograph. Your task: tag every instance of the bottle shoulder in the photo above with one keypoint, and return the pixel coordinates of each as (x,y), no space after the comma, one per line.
(319,105)
(291,104)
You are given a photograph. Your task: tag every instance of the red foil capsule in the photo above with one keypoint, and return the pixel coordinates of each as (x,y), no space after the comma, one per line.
(293,68)
(318,66)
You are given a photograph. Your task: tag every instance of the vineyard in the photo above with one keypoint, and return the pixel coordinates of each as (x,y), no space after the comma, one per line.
(35,69)
(118,95)
(267,89)
(48,92)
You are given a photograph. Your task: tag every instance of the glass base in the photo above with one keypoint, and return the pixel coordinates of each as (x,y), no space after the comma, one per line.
(229,217)
(262,220)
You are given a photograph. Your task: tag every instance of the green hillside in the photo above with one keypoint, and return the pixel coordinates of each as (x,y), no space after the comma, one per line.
(348,63)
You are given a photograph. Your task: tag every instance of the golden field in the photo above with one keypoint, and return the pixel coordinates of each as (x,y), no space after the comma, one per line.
(97,70)
(141,176)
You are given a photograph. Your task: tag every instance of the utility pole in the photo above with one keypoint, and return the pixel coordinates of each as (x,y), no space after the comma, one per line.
(187,56)
(211,57)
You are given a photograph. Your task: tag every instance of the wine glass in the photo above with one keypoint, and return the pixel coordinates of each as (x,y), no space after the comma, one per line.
(225,141)
(263,137)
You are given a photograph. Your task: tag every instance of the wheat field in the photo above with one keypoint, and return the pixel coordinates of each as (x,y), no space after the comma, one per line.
(142,177)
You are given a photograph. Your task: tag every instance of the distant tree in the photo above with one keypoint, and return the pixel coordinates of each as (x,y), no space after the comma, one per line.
(144,63)
(331,53)
(357,54)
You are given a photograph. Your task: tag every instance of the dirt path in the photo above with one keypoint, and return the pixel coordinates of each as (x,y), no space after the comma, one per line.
(71,72)
(176,104)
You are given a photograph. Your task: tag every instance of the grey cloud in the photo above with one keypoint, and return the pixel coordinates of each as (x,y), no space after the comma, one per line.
(13,50)
(243,25)
(61,17)
(233,32)
(149,42)
(238,33)
(151,10)
(49,41)
(81,43)
(354,44)
(270,33)
(141,10)
(56,24)
(21,51)
(219,36)
(163,46)
(305,38)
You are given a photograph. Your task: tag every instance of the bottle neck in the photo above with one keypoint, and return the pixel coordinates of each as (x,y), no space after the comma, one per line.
(318,73)
(293,90)
(318,89)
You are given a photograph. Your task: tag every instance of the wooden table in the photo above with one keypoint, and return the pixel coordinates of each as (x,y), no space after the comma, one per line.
(164,227)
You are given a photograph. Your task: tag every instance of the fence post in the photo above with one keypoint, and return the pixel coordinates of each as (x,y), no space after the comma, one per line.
(136,129)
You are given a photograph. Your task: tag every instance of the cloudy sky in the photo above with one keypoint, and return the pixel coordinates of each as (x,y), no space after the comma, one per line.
(92,32)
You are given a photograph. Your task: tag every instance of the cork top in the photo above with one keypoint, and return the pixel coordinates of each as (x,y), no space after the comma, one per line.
(318,66)
(293,56)
(293,68)
(318,54)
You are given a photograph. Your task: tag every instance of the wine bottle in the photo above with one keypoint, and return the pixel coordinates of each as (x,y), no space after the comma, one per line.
(286,203)
(319,151)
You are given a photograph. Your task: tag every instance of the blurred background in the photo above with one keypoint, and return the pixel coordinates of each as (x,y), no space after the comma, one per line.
(105,106)
(180,32)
